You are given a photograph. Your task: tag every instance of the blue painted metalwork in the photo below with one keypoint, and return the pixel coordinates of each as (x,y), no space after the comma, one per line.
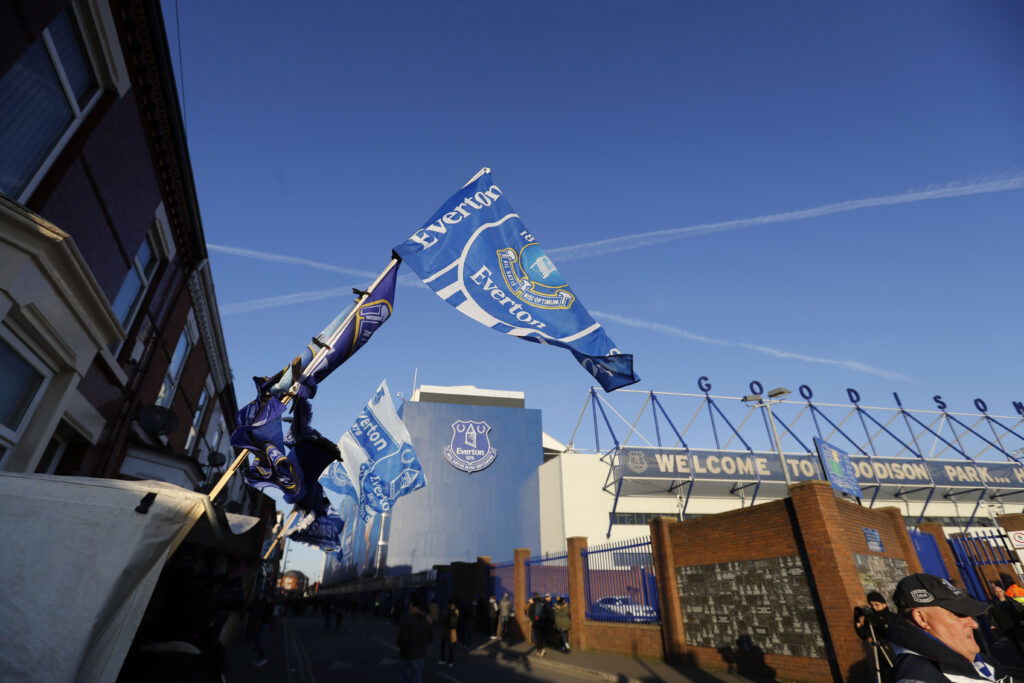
(607,423)
(712,404)
(619,582)
(887,431)
(671,424)
(548,574)
(928,553)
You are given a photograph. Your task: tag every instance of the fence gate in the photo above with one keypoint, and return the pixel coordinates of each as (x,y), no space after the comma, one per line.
(928,552)
(982,556)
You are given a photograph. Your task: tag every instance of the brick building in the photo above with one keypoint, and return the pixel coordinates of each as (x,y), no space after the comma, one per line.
(109,331)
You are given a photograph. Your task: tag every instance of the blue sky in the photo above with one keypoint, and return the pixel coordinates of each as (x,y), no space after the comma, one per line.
(331,131)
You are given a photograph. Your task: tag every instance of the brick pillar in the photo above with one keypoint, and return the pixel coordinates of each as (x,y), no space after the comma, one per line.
(577,594)
(903,536)
(934,529)
(672,635)
(835,578)
(1012,522)
(520,556)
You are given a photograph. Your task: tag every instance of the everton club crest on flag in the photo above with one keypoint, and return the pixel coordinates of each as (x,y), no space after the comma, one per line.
(470,449)
(476,254)
(370,315)
(378,456)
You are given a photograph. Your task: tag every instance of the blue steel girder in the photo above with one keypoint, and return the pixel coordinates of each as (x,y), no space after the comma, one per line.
(996,446)
(657,407)
(785,426)
(936,435)
(889,432)
(815,409)
(711,402)
(607,422)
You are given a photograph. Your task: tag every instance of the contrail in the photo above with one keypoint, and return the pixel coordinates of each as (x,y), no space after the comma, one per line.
(856,366)
(295,261)
(613,245)
(284,300)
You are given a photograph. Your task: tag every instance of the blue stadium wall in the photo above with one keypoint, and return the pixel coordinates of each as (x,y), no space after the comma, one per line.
(459,516)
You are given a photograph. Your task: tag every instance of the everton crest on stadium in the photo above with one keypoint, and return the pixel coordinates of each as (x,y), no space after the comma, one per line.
(470,449)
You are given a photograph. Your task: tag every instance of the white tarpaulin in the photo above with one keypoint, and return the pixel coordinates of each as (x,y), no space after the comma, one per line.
(77,567)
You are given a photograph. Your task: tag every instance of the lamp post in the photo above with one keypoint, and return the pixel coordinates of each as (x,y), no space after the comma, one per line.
(775,396)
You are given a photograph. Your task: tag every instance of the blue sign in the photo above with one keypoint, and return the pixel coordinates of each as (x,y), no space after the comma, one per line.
(470,449)
(838,468)
(874,540)
(476,254)
(653,462)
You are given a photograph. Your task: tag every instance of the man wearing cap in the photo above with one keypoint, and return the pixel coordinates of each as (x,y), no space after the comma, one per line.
(934,641)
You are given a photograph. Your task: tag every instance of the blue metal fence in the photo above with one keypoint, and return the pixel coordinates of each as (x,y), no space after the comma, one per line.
(502,581)
(619,582)
(548,574)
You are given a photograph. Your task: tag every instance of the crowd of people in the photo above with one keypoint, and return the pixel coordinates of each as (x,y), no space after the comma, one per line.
(936,634)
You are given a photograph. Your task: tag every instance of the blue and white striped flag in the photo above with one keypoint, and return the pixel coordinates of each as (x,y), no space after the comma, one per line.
(379,464)
(476,254)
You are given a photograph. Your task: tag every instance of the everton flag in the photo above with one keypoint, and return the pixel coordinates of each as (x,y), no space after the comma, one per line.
(476,254)
(378,458)
(370,315)
(324,532)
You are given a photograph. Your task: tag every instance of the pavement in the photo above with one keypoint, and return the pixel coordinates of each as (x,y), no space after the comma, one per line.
(302,650)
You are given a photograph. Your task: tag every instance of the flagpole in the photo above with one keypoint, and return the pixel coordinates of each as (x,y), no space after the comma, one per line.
(280,533)
(309,369)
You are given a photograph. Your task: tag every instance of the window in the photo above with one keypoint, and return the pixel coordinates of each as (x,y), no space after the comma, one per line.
(197,419)
(43,98)
(126,304)
(173,374)
(24,380)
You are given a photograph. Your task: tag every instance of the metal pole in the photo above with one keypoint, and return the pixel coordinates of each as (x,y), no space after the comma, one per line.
(381,546)
(317,359)
(778,445)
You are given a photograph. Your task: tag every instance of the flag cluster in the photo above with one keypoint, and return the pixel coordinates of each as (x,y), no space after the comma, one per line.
(477,255)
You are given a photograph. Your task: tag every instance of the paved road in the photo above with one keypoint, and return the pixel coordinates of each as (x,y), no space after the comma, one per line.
(302,651)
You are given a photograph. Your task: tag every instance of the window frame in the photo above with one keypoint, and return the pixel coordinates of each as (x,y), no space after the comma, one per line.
(9,437)
(79,113)
(195,436)
(190,332)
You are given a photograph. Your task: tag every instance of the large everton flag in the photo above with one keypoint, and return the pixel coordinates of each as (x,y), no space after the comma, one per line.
(378,457)
(476,254)
(369,315)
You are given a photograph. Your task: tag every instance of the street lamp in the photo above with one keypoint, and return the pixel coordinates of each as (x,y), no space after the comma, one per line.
(775,395)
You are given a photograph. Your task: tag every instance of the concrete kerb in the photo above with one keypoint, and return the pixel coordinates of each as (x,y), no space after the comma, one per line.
(487,647)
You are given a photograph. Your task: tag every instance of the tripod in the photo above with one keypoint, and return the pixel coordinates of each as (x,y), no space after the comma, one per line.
(877,647)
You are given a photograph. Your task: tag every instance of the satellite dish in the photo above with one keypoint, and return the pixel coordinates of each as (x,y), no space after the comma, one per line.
(216,459)
(157,420)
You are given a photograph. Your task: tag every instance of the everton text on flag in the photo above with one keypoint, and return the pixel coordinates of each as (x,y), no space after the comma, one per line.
(378,457)
(476,254)
(349,331)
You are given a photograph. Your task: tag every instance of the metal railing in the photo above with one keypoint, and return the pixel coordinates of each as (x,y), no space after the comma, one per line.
(619,583)
(548,574)
(502,580)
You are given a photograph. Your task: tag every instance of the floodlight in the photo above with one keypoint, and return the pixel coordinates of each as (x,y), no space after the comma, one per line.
(751,398)
(779,391)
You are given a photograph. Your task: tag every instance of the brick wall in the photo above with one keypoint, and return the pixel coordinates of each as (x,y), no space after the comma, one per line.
(813,524)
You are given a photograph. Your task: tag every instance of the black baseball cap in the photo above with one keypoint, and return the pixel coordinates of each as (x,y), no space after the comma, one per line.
(925,590)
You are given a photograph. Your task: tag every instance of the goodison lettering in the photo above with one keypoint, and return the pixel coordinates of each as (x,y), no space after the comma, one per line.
(475,203)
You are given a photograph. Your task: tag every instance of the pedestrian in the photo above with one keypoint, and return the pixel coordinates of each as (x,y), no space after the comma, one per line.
(562,622)
(1007,617)
(433,611)
(538,615)
(493,612)
(1009,585)
(327,608)
(504,613)
(265,613)
(934,637)
(871,624)
(467,616)
(450,634)
(414,633)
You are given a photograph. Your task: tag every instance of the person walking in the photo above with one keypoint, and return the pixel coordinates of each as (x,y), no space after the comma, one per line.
(493,611)
(414,633)
(538,614)
(504,613)
(562,622)
(450,634)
